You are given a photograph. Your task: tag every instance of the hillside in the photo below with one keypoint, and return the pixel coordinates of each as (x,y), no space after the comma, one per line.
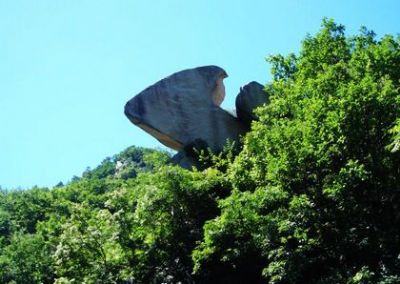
(313,196)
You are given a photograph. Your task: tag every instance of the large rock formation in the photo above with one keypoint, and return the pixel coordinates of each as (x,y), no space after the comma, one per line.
(184,107)
(183,110)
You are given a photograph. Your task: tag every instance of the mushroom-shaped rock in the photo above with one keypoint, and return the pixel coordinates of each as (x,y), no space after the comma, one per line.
(250,97)
(184,107)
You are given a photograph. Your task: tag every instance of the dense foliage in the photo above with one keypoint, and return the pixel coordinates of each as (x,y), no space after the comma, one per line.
(312,197)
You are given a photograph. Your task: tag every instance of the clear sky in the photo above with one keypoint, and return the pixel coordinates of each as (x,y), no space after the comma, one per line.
(68,67)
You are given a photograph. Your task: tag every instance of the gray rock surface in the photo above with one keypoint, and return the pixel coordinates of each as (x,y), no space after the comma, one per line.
(185,161)
(250,97)
(184,107)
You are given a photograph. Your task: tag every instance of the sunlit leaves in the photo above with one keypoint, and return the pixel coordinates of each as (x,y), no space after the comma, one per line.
(328,140)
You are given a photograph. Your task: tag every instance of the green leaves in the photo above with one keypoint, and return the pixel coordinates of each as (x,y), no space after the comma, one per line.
(328,141)
(89,249)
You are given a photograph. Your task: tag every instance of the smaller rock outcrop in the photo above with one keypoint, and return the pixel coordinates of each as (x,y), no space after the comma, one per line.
(249,98)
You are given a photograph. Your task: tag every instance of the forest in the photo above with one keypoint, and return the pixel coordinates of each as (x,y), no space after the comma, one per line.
(310,195)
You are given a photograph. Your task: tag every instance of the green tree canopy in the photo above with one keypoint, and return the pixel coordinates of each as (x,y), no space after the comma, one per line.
(317,185)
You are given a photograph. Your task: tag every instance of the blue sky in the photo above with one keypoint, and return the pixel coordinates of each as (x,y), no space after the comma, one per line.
(68,67)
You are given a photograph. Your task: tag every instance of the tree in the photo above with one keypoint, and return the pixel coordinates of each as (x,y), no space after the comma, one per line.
(26,260)
(317,185)
(88,248)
